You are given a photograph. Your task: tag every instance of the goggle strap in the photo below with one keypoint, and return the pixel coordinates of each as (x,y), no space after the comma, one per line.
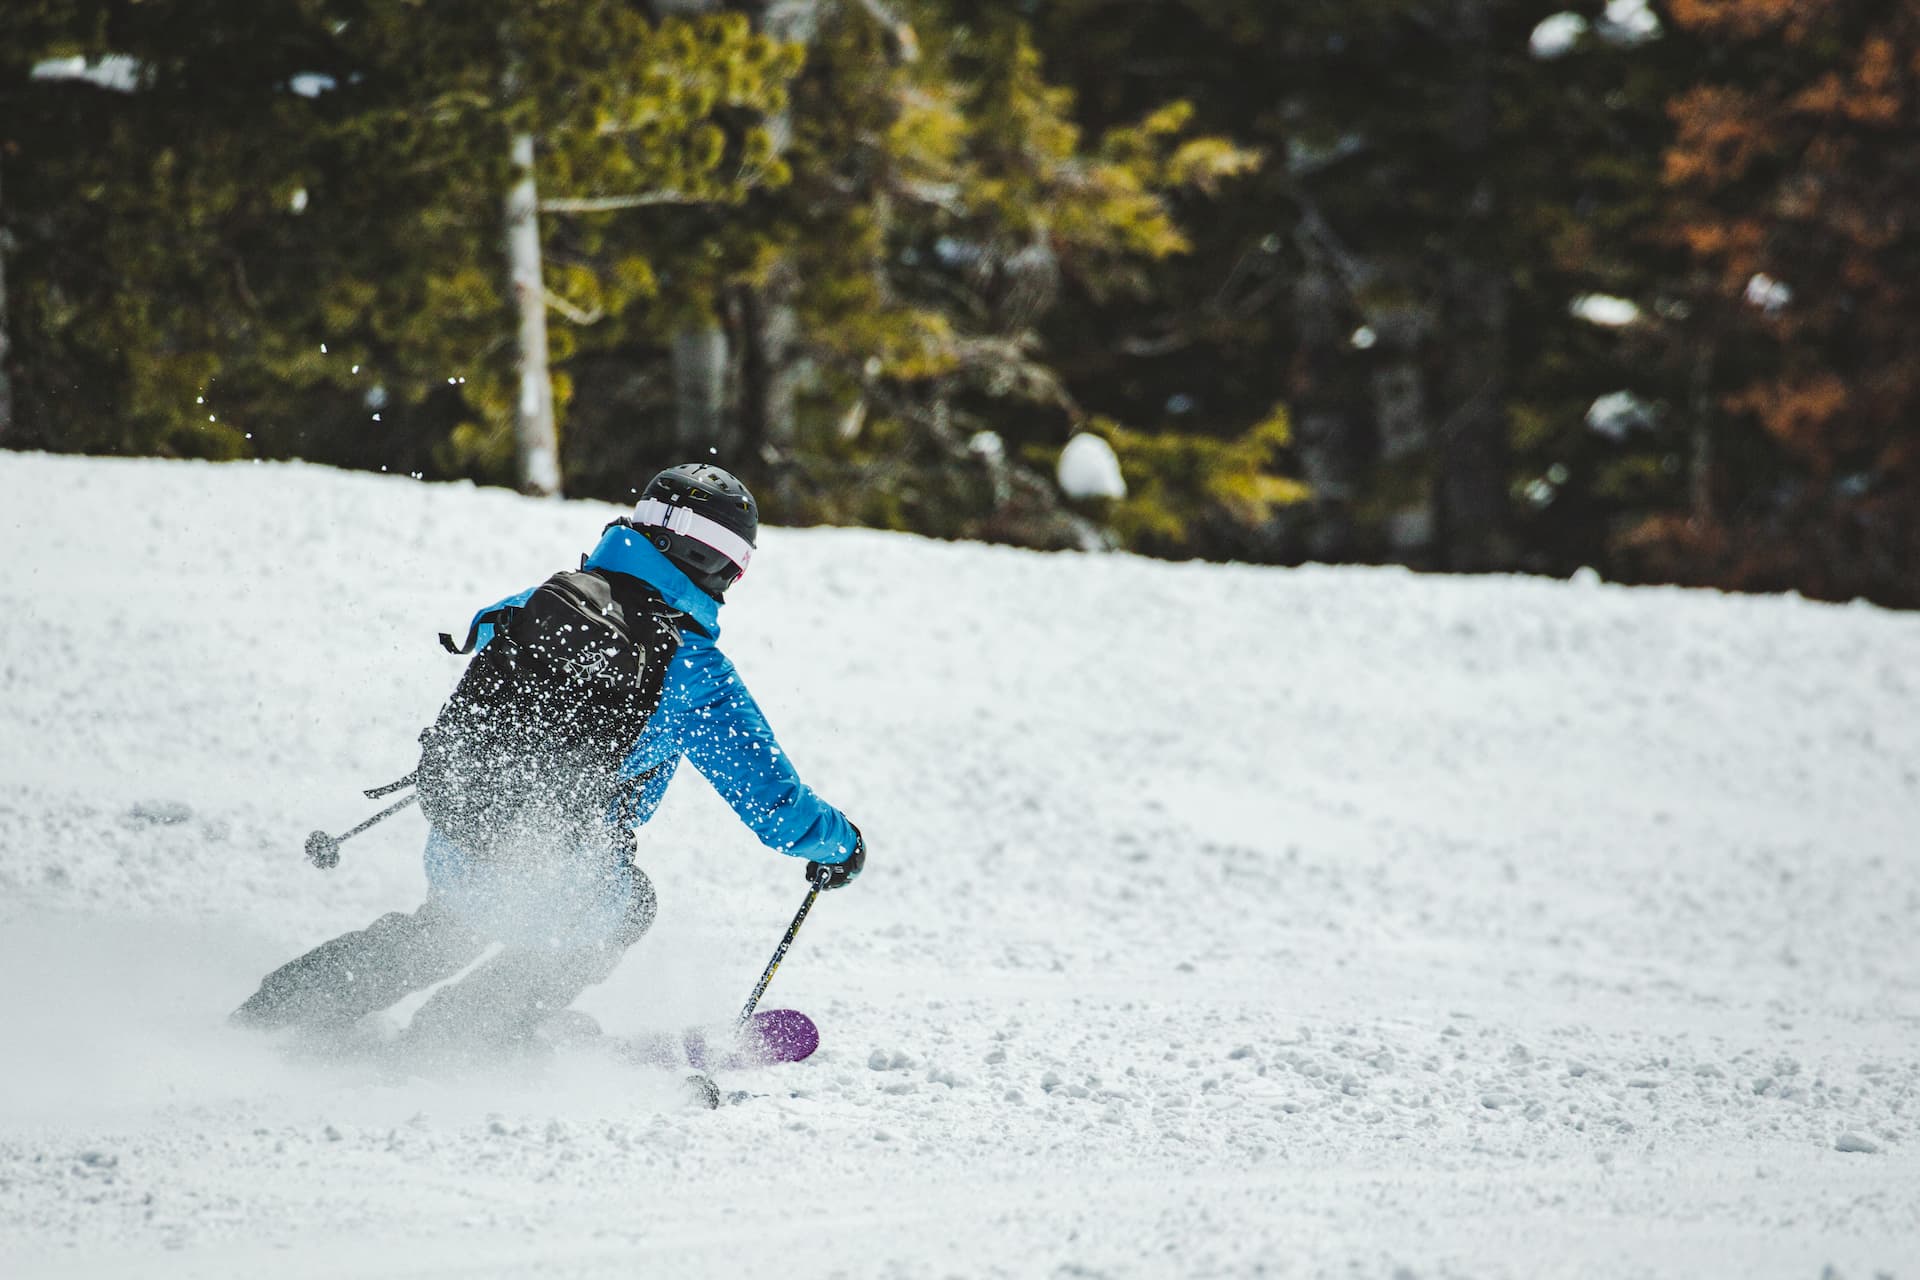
(702,529)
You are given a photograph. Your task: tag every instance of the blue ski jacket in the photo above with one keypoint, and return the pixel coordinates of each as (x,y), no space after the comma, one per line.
(707,716)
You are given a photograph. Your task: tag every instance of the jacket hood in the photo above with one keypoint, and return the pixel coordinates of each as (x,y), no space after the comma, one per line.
(622,550)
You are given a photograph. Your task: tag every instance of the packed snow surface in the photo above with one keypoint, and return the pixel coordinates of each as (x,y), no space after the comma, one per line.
(1220,921)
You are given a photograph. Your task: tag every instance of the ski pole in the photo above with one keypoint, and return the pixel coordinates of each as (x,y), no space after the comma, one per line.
(323,850)
(793,930)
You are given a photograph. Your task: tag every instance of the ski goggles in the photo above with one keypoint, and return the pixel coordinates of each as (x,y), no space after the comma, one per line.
(690,524)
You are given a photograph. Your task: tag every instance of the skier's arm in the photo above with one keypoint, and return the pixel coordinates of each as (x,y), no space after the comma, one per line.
(725,734)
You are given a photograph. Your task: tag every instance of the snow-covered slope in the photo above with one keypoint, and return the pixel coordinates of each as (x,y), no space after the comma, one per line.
(1219,921)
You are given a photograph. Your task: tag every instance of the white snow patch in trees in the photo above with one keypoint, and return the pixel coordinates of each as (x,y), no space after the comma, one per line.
(1186,949)
(1605,310)
(987,444)
(1617,413)
(297,202)
(1364,338)
(115,71)
(1089,468)
(955,252)
(1629,23)
(1555,36)
(311,84)
(1768,294)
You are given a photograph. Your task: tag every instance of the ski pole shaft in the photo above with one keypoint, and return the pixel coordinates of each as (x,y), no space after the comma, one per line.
(323,850)
(381,816)
(766,977)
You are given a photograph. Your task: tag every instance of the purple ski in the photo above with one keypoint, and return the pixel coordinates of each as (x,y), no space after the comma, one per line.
(769,1036)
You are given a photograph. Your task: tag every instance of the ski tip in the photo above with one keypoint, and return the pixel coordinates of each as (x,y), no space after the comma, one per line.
(785,1035)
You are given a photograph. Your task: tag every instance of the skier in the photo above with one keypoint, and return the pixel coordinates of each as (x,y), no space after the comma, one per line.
(526,849)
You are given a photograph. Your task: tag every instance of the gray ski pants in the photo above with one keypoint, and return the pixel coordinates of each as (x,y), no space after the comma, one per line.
(501,1002)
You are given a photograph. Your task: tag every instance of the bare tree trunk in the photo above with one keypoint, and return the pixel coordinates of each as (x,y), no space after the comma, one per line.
(700,391)
(1471,481)
(770,342)
(1700,471)
(1323,430)
(1398,386)
(6,342)
(1398,382)
(701,362)
(1471,493)
(769,321)
(536,443)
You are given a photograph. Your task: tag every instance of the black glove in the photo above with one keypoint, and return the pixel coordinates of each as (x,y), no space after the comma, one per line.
(833,875)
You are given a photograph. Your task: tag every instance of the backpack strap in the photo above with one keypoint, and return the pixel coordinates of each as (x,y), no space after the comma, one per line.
(677,618)
(490,618)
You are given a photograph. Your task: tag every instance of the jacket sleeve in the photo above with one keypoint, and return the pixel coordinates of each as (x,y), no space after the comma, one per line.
(724,733)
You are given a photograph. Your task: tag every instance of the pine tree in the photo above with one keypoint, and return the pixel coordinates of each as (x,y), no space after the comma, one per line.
(285,239)
(1399,273)
(1794,199)
(941,206)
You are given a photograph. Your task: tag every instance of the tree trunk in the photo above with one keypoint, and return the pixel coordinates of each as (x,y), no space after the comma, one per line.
(6,342)
(701,365)
(700,392)
(536,444)
(770,341)
(1323,430)
(1471,481)
(1398,386)
(1702,463)
(769,321)
(1471,493)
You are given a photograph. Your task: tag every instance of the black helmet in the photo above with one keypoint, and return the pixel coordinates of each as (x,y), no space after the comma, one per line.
(705,521)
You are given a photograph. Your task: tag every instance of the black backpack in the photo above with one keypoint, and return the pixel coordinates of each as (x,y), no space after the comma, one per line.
(527,750)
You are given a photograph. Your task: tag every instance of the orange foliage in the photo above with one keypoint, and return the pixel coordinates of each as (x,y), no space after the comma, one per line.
(1799,415)
(1735,245)
(1719,133)
(1795,160)
(1750,19)
(1824,97)
(1868,547)
(1878,94)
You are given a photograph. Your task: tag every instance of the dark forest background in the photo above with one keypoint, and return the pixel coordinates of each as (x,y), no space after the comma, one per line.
(1459,284)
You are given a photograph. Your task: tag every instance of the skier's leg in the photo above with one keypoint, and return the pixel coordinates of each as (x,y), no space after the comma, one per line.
(505,999)
(357,973)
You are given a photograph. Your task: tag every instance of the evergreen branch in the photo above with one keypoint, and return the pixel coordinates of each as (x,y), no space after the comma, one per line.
(1011,480)
(1005,360)
(577,315)
(613,204)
